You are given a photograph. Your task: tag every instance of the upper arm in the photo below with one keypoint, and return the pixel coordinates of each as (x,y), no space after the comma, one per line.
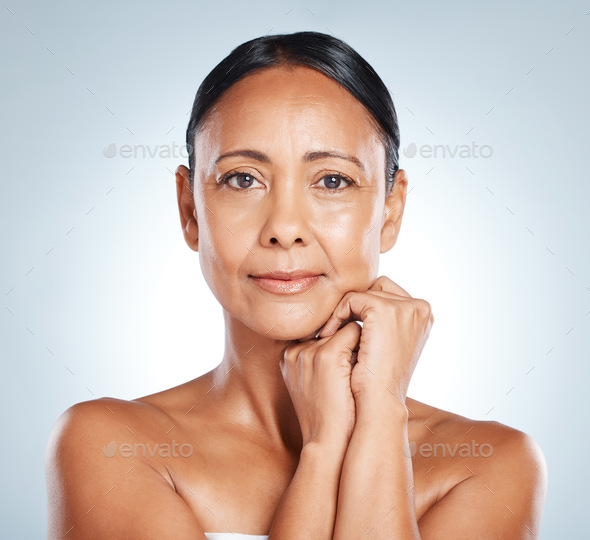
(504,498)
(91,495)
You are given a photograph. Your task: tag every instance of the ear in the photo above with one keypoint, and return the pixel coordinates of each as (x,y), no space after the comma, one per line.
(394,210)
(186,208)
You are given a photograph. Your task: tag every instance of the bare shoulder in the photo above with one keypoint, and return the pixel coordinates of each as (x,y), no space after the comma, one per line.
(499,472)
(514,448)
(87,428)
(95,490)
(102,412)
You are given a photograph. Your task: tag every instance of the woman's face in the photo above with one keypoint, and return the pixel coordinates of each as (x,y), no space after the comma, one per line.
(289,207)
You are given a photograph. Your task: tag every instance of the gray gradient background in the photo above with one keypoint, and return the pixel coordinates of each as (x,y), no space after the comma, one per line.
(101,297)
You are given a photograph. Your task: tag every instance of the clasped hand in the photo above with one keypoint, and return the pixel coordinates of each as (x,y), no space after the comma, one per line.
(329,388)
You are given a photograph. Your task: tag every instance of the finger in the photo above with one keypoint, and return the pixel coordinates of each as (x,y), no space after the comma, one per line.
(353,305)
(297,345)
(345,340)
(353,317)
(420,303)
(340,318)
(383,283)
(389,295)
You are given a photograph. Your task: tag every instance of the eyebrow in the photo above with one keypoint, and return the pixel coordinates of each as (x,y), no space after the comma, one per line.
(308,157)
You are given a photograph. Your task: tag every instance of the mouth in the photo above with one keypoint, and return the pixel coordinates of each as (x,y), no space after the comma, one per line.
(286,282)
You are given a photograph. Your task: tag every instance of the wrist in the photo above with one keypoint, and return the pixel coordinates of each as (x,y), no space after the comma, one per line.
(374,408)
(331,437)
(328,451)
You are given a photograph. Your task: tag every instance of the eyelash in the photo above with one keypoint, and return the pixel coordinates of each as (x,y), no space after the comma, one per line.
(226,177)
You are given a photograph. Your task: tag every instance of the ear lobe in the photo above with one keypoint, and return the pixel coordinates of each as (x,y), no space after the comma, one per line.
(387,236)
(393,212)
(194,234)
(190,231)
(191,234)
(186,207)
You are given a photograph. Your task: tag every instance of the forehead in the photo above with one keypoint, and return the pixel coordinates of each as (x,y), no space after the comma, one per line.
(286,112)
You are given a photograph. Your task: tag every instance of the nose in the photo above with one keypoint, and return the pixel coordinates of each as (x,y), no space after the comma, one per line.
(286,218)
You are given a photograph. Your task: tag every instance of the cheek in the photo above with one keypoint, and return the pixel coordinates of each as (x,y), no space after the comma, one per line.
(222,227)
(221,252)
(351,240)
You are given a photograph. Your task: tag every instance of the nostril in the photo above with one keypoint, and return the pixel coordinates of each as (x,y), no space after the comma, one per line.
(276,241)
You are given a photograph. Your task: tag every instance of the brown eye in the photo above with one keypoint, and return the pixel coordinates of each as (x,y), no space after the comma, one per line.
(334,182)
(243,180)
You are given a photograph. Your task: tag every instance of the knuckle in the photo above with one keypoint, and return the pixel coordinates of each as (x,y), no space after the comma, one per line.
(354,325)
(346,298)
(305,355)
(424,307)
(343,357)
(290,355)
(379,282)
(393,307)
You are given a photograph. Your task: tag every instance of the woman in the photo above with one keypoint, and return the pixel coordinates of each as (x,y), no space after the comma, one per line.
(292,192)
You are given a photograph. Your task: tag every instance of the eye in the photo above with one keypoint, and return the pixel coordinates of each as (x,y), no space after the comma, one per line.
(244,180)
(334,181)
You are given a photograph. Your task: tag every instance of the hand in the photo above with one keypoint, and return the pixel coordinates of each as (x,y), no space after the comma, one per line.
(395,329)
(317,375)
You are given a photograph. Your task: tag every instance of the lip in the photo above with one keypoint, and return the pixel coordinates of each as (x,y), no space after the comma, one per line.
(286,282)
(286,275)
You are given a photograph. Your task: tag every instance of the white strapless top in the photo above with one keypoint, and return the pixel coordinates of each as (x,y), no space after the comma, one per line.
(234,536)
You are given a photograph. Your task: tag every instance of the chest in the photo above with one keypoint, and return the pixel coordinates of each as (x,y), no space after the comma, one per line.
(236,488)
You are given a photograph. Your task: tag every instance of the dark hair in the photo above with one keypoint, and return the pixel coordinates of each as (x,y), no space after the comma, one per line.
(323,52)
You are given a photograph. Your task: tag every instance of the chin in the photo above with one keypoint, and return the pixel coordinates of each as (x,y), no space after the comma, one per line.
(292,334)
(309,336)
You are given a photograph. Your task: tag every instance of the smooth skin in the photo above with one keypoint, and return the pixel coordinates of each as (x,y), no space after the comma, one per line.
(293,436)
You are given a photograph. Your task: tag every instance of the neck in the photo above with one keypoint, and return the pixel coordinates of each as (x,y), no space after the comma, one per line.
(250,384)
